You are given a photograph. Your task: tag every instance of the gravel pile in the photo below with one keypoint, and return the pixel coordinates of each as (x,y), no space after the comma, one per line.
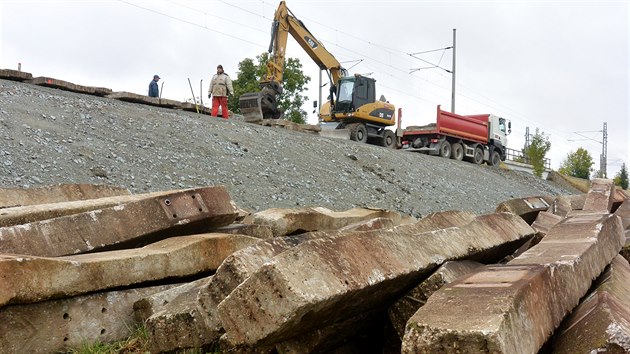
(49,136)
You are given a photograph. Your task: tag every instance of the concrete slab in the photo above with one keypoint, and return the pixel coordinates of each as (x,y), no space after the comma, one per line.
(58,325)
(516,307)
(287,124)
(147,306)
(14,75)
(10,197)
(179,324)
(601,323)
(29,279)
(242,264)
(129,224)
(325,280)
(401,310)
(291,221)
(545,221)
(190,107)
(68,86)
(526,208)
(136,98)
(623,211)
(600,197)
(561,206)
(258,231)
(38,212)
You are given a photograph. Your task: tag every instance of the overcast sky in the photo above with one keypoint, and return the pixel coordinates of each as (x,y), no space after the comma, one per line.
(557,66)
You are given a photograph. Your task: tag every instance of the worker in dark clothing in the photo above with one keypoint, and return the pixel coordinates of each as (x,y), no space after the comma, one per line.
(153,87)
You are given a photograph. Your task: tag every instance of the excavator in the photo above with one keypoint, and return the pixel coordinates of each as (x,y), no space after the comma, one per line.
(352,103)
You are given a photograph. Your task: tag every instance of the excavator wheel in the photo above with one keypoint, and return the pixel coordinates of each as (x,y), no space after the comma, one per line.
(389,139)
(358,133)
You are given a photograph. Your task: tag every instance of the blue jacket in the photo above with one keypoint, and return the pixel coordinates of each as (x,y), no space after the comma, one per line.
(153,89)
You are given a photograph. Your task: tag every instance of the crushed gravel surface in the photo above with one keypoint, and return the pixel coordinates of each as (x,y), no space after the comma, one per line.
(49,136)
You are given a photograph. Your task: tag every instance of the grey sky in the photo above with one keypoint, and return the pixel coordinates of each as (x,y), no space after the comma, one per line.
(560,66)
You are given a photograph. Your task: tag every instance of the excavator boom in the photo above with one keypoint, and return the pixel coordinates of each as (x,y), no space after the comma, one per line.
(261,105)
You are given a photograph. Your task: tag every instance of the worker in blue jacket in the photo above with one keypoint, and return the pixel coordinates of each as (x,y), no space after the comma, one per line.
(153,87)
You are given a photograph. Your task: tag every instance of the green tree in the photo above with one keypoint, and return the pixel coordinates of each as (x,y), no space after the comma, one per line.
(536,151)
(621,178)
(293,84)
(577,164)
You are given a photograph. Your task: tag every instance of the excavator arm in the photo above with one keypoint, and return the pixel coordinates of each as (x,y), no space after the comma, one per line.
(263,104)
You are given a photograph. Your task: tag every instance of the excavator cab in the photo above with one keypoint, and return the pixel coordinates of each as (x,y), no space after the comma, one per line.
(354,92)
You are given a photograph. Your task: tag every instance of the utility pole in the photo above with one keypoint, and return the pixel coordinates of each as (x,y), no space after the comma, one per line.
(453,76)
(604,155)
(526,137)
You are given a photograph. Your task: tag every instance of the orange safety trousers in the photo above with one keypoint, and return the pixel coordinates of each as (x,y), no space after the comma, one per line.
(220,101)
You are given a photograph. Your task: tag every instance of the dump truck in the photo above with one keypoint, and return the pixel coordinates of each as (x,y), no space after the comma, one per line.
(352,103)
(475,138)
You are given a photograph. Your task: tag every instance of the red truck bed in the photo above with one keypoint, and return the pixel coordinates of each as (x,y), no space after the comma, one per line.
(473,127)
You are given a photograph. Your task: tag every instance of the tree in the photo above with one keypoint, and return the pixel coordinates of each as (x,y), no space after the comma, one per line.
(293,85)
(621,178)
(577,164)
(536,151)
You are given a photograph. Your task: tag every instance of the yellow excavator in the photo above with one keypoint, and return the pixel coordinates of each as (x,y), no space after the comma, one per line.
(352,102)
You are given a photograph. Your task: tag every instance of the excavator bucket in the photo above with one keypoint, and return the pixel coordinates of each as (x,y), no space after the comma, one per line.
(251,107)
(332,130)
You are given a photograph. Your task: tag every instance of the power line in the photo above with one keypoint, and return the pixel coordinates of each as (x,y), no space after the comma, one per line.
(191,23)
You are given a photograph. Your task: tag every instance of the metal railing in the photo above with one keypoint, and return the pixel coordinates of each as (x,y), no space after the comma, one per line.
(517,156)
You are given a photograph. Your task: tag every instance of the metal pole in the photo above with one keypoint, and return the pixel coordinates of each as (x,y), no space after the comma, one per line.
(453,81)
(193,95)
(319,103)
(603,165)
(201,91)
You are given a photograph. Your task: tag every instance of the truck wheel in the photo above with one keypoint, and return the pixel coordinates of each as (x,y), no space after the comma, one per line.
(445,149)
(478,157)
(458,152)
(359,133)
(495,159)
(389,139)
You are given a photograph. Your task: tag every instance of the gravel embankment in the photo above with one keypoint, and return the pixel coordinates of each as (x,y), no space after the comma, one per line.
(49,136)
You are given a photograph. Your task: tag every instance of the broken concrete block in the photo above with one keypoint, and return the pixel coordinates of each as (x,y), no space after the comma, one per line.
(146,307)
(515,308)
(561,206)
(178,325)
(57,325)
(401,310)
(623,211)
(143,221)
(10,197)
(601,323)
(242,264)
(38,212)
(545,221)
(30,279)
(290,221)
(600,197)
(329,279)
(526,208)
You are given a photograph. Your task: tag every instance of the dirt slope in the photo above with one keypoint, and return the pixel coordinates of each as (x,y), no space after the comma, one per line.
(48,136)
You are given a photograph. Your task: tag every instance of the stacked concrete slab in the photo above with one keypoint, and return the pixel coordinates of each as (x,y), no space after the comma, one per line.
(15,75)
(325,280)
(69,86)
(514,308)
(11,197)
(136,98)
(145,220)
